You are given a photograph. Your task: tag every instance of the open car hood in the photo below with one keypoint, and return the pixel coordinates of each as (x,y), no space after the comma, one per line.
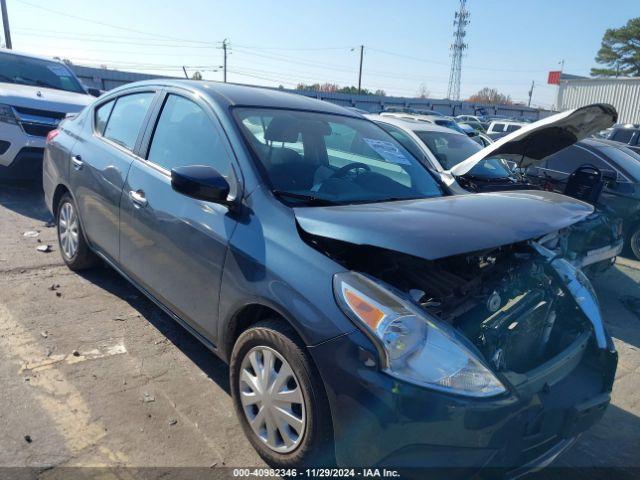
(545,137)
(445,226)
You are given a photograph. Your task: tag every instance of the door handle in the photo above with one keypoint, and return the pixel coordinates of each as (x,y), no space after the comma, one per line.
(138,198)
(77,162)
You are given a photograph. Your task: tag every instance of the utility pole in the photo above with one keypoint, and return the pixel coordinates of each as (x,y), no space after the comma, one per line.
(360,73)
(5,23)
(224,66)
(533,83)
(461,20)
(185,72)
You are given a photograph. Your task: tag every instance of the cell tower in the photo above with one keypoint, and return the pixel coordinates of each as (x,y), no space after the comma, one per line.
(461,20)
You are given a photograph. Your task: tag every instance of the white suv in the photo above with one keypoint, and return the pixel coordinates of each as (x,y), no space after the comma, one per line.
(35,94)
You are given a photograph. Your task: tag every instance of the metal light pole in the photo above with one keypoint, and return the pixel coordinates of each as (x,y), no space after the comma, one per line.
(224,66)
(5,23)
(360,73)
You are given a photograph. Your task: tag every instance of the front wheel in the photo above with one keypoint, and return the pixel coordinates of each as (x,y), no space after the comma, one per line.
(279,397)
(73,246)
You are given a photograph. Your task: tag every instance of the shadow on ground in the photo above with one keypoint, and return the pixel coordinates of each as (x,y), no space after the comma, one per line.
(112,282)
(25,199)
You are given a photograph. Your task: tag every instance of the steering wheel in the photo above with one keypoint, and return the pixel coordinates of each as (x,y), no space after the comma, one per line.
(342,171)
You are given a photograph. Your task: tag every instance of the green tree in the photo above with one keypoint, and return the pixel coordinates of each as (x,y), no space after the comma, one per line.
(620,51)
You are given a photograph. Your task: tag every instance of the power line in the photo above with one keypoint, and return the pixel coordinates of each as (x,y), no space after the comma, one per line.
(105,24)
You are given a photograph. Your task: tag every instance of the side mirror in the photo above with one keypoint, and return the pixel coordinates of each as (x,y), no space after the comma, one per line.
(94,92)
(200,182)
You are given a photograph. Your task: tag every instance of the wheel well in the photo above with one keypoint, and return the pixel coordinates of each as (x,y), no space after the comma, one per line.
(57,195)
(243,319)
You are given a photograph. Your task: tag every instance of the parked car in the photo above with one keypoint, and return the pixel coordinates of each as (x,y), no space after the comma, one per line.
(439,120)
(475,135)
(500,128)
(594,243)
(472,121)
(628,134)
(367,317)
(35,94)
(621,186)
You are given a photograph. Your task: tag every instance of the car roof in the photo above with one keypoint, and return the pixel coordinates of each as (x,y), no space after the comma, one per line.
(412,125)
(235,95)
(627,126)
(29,55)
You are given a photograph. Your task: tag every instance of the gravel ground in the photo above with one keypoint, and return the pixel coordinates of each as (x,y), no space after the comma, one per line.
(93,374)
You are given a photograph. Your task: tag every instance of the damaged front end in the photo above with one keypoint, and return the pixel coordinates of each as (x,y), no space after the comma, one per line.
(531,315)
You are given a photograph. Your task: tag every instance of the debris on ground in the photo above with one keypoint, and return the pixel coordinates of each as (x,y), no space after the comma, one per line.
(31,234)
(44,248)
(75,353)
(58,294)
(148,398)
(50,224)
(44,334)
(55,286)
(28,439)
(173,421)
(632,304)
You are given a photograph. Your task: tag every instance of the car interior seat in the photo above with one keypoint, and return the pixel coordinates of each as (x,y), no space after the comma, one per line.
(585,183)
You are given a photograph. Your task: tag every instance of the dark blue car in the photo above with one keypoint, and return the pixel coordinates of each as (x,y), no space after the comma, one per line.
(368,317)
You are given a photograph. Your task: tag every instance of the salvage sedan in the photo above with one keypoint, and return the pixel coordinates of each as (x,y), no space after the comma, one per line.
(368,318)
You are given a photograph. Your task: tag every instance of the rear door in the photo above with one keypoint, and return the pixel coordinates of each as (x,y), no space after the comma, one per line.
(173,245)
(100,162)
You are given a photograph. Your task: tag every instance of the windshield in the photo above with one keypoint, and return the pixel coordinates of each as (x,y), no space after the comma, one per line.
(319,158)
(36,72)
(450,149)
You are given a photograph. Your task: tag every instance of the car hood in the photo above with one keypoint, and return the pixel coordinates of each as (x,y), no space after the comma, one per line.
(445,226)
(538,140)
(42,98)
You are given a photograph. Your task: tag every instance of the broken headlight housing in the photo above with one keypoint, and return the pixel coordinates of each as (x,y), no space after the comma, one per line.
(412,346)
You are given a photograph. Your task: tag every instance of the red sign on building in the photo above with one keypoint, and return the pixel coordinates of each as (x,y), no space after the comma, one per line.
(554,78)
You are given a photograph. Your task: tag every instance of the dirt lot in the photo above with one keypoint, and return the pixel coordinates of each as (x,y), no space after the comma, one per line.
(93,374)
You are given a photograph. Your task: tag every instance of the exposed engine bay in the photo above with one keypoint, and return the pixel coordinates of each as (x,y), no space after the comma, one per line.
(507,301)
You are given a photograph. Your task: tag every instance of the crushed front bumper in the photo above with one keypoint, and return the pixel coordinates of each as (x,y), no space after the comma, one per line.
(379,420)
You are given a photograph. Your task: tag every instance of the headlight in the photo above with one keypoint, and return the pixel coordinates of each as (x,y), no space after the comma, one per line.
(412,346)
(6,114)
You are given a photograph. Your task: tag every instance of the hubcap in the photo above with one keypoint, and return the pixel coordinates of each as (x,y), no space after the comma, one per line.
(272,399)
(68,230)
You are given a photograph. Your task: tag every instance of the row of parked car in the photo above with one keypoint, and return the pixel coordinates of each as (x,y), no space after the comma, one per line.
(386,291)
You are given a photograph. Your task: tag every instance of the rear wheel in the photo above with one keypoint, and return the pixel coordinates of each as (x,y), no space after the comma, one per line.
(279,397)
(634,241)
(73,247)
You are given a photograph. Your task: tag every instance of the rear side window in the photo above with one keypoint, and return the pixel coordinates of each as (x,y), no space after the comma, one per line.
(622,135)
(497,127)
(102,115)
(185,135)
(126,118)
(513,128)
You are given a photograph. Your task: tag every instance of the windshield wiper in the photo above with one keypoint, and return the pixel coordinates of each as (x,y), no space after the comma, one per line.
(310,199)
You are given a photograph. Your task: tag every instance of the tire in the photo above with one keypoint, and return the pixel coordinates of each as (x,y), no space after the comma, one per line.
(73,247)
(314,445)
(634,241)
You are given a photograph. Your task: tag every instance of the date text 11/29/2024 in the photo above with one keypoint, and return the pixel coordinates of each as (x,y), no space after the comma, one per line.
(316,472)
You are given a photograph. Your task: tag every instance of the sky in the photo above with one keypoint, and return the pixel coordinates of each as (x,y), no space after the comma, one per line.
(286,42)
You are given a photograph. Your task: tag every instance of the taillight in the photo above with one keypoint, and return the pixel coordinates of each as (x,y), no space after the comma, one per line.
(52,134)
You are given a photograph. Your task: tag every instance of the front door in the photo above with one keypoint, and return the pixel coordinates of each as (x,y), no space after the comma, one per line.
(173,245)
